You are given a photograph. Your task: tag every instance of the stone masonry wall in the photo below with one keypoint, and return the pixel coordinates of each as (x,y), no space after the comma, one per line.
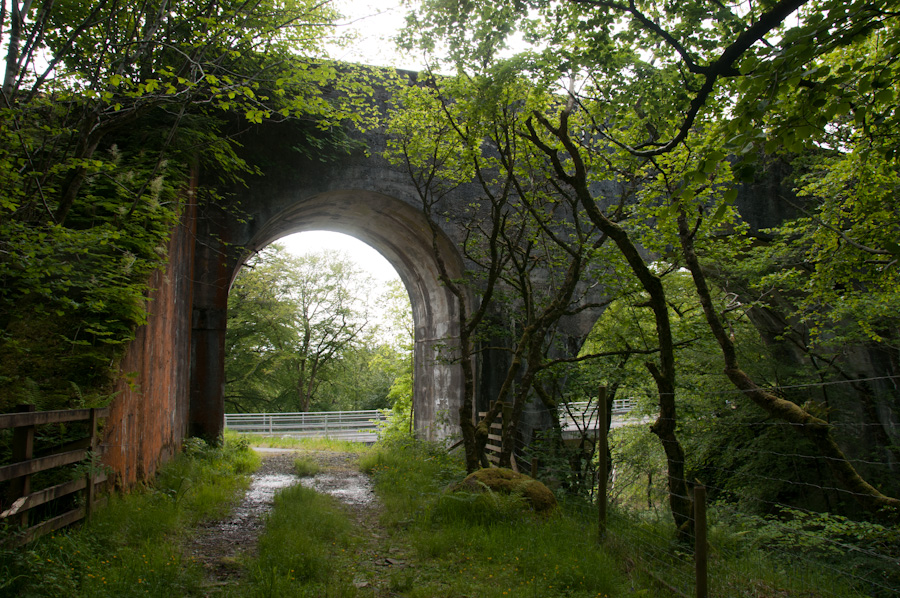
(148,417)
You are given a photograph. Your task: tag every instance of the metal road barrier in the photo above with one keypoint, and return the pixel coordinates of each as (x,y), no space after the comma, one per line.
(357,426)
(583,414)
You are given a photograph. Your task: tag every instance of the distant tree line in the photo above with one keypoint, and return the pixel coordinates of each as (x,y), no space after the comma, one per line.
(313,333)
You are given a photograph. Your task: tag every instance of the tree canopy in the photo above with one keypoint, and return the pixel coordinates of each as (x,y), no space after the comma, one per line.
(106,110)
(656,117)
(302,336)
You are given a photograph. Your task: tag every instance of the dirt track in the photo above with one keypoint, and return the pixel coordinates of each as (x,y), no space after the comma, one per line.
(218,545)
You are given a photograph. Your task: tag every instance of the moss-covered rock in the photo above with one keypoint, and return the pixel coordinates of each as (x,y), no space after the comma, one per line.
(506,481)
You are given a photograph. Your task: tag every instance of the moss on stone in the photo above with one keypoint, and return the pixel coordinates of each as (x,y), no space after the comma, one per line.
(506,481)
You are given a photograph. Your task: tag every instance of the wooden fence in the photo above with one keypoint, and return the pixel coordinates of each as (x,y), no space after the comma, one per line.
(495,437)
(17,509)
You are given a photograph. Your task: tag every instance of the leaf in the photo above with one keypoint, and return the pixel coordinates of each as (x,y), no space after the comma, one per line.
(720,213)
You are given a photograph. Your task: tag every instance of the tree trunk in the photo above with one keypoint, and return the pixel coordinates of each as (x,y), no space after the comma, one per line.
(816,430)
(664,375)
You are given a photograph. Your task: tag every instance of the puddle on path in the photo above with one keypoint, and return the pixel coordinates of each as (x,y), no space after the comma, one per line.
(348,487)
(262,490)
(257,501)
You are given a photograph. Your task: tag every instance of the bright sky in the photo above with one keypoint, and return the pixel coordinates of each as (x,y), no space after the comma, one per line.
(363,255)
(376,21)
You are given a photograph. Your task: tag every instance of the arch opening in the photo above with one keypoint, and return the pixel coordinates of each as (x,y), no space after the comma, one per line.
(400,233)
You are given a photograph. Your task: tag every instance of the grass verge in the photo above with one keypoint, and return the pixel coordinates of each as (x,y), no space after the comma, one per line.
(482,545)
(132,547)
(312,444)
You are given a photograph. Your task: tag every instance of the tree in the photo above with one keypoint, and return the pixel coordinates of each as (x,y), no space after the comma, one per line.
(657,92)
(528,241)
(105,109)
(293,323)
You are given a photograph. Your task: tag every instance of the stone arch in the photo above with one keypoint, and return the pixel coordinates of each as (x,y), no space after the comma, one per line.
(401,234)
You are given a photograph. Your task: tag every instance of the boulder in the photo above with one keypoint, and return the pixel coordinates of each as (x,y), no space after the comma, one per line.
(506,481)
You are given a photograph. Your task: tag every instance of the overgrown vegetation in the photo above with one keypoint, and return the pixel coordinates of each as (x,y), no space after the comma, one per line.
(722,168)
(441,543)
(134,546)
(485,544)
(108,111)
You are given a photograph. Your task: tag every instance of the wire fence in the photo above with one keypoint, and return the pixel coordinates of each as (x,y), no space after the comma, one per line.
(780,523)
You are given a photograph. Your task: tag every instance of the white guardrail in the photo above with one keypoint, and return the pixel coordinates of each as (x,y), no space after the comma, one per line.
(362,426)
(358,426)
(583,415)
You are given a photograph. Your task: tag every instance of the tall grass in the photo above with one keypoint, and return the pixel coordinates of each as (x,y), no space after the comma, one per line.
(132,547)
(484,545)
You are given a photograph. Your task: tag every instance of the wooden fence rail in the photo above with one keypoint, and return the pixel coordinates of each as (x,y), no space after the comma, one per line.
(20,499)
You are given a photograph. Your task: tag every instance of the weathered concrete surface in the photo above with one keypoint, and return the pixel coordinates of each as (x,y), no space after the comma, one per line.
(213,274)
(148,417)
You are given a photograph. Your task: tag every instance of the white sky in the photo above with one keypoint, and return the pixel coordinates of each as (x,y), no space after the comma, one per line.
(376,21)
(363,255)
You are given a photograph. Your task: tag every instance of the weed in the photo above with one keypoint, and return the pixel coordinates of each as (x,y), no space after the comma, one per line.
(305,467)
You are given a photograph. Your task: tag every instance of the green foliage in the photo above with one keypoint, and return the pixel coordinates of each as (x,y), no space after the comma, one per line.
(108,108)
(670,105)
(296,325)
(133,545)
(305,467)
(638,465)
(398,424)
(804,539)
(480,544)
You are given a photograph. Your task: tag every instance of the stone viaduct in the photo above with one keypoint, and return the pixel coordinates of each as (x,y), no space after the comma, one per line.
(173,374)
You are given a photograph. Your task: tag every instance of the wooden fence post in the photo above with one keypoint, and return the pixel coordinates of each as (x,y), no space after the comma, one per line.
(22,450)
(700,544)
(602,462)
(89,487)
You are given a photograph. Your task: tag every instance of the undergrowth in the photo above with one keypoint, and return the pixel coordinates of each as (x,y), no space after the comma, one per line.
(132,547)
(486,545)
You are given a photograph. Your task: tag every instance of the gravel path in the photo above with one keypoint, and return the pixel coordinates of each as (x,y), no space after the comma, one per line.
(218,545)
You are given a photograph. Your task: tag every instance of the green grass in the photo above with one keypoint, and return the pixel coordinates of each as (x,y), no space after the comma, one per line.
(483,545)
(305,467)
(132,547)
(308,564)
(312,444)
(462,544)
